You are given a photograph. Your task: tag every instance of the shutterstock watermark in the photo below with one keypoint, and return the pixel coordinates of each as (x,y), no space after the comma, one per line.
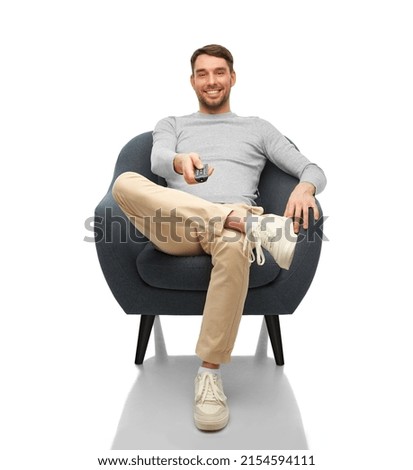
(164,227)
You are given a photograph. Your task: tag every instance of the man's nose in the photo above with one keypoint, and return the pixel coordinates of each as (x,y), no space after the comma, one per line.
(211,79)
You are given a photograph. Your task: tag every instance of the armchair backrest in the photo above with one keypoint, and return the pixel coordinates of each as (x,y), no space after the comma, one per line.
(136,156)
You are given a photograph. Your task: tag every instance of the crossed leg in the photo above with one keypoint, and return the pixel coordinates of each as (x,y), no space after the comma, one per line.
(179,223)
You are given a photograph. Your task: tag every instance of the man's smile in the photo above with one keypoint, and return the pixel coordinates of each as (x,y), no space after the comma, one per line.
(212,92)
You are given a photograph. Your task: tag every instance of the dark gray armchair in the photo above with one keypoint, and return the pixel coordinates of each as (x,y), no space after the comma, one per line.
(147,282)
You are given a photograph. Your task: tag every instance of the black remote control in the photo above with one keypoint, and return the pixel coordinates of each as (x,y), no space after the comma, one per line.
(201,175)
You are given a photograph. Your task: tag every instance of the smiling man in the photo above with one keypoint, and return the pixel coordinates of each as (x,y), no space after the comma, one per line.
(219,217)
(212,80)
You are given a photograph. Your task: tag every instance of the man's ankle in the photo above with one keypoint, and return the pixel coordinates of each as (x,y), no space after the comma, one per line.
(235,221)
(209,365)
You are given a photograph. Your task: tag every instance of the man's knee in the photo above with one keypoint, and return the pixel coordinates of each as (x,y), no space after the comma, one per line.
(229,250)
(123,185)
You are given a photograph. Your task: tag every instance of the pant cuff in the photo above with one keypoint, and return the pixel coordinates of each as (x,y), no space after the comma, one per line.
(215,358)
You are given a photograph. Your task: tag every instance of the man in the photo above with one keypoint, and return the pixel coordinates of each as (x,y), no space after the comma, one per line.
(220,216)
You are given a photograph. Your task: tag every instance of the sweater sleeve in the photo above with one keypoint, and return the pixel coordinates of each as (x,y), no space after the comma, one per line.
(164,148)
(284,154)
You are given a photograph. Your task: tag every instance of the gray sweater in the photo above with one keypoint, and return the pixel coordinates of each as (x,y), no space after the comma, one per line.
(237,147)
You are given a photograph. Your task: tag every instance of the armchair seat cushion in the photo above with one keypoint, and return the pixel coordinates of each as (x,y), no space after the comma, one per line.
(192,272)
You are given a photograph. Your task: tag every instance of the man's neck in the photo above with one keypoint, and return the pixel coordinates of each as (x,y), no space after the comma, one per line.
(223,110)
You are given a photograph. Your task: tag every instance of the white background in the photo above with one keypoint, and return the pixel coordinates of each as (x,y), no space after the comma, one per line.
(78,80)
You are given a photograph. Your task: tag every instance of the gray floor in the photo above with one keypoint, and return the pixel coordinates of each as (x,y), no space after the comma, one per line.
(158,411)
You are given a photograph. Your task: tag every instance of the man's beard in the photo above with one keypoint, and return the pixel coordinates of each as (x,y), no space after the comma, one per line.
(213,104)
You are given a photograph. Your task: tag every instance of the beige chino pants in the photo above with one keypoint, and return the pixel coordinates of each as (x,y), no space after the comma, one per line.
(181,224)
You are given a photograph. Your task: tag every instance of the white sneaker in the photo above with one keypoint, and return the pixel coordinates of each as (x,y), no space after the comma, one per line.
(211,411)
(276,234)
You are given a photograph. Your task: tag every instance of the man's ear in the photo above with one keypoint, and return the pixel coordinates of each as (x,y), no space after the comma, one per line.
(192,80)
(233,78)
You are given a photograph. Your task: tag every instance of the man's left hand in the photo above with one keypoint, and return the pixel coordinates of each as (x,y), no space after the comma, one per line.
(298,205)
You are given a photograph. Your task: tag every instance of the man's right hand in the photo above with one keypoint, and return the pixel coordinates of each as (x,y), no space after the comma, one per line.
(185,164)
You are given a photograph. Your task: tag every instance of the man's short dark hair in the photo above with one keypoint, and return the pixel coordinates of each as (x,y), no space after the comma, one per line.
(214,50)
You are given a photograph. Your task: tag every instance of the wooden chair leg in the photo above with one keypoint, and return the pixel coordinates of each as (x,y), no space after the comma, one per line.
(145,328)
(274,332)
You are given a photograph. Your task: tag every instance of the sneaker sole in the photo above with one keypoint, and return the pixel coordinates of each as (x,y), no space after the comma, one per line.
(288,249)
(287,257)
(211,426)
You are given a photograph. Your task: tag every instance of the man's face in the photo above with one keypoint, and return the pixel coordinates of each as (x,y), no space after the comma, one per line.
(212,82)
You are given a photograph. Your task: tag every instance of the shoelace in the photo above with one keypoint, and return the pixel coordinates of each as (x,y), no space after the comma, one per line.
(253,240)
(209,391)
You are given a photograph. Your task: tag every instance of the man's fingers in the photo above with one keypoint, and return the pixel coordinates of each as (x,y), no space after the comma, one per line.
(304,213)
(316,212)
(196,160)
(299,212)
(297,218)
(289,210)
(188,165)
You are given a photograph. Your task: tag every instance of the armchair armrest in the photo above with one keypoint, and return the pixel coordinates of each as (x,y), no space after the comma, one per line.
(118,243)
(293,284)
